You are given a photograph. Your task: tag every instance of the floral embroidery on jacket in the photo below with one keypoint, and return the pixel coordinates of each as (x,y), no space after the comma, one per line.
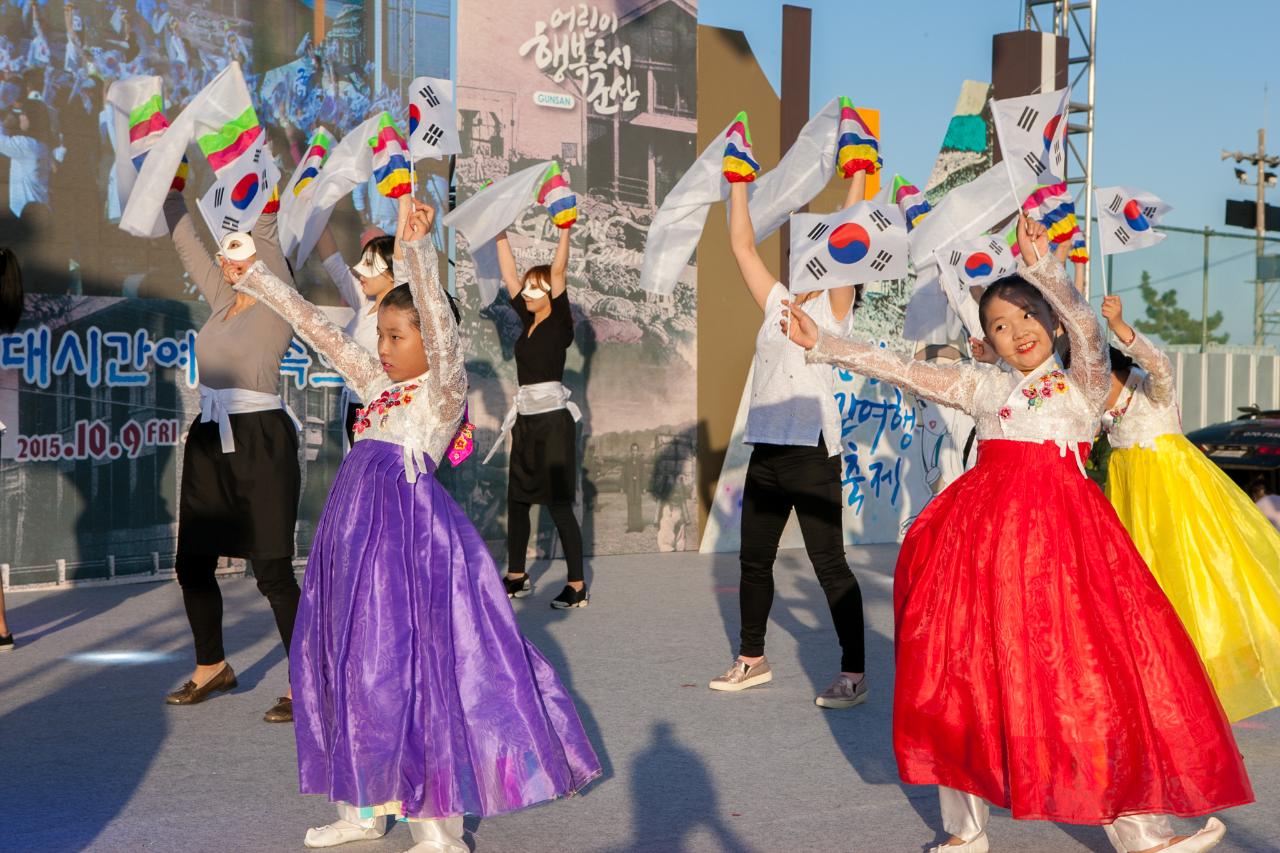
(1053,382)
(398,395)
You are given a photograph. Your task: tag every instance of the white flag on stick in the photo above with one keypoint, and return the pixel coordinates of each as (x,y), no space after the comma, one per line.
(1033,139)
(350,164)
(137,111)
(801,174)
(489,212)
(433,119)
(677,226)
(965,211)
(1126,218)
(861,243)
(218,111)
(236,199)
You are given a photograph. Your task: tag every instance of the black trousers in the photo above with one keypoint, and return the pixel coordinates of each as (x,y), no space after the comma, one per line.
(203,600)
(780,478)
(518,531)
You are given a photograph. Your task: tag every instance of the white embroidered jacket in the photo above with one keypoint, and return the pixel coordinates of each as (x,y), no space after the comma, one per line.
(1147,407)
(1049,404)
(421,414)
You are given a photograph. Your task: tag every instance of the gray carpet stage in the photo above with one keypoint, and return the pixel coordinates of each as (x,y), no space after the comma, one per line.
(92,759)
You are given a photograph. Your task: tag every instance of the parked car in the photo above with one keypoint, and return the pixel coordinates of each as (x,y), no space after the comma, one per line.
(1245,448)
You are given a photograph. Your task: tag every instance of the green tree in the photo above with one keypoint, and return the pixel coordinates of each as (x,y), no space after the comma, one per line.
(1172,324)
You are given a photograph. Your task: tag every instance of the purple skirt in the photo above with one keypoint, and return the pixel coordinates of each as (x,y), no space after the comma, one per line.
(411,681)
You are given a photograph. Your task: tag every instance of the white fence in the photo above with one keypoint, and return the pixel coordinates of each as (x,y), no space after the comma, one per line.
(1213,385)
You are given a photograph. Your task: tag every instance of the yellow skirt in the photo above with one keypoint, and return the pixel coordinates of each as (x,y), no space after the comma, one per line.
(1216,557)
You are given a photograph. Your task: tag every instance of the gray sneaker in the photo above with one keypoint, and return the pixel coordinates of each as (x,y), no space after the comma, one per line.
(843,693)
(742,675)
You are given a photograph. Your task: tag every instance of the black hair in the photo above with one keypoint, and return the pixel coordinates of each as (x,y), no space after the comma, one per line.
(383,244)
(400,298)
(1011,288)
(10,290)
(1119,361)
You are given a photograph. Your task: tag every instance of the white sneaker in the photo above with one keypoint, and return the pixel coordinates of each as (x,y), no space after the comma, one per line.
(1206,839)
(975,845)
(342,831)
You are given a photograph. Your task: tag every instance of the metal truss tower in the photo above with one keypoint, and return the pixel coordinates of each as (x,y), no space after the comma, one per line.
(1077,20)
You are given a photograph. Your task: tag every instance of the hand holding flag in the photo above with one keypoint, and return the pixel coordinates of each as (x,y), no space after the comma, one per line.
(739,166)
(560,201)
(857,148)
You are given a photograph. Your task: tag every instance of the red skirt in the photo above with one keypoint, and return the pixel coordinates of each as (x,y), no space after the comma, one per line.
(1039,664)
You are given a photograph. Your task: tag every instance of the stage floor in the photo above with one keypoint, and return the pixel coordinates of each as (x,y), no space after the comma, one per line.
(92,758)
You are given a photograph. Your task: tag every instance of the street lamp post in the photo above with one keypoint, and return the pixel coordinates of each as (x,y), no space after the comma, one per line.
(1265,179)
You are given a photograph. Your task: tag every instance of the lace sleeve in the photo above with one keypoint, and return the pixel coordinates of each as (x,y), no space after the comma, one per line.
(1158,386)
(447,372)
(361,369)
(953,385)
(1090,365)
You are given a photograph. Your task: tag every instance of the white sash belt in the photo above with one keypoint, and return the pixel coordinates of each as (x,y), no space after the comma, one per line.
(219,404)
(535,399)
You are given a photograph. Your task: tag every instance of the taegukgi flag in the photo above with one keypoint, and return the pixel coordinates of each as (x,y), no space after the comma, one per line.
(433,119)
(1126,217)
(861,243)
(241,191)
(1033,139)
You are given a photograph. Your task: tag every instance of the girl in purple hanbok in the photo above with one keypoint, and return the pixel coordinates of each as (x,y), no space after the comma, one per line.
(414,694)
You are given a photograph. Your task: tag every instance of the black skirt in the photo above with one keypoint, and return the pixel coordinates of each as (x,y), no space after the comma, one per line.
(241,504)
(544,458)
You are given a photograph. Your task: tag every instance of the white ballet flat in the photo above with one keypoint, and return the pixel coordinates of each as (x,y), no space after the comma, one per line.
(974,845)
(438,836)
(1205,839)
(343,831)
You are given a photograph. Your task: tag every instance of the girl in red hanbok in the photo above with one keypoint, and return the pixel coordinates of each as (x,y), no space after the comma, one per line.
(1039,665)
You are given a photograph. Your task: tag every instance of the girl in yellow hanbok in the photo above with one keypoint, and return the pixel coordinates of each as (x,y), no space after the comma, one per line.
(1212,551)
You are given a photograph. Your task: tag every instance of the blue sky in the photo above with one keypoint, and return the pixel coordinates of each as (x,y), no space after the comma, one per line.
(1174,88)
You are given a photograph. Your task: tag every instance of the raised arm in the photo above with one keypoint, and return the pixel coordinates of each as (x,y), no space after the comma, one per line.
(204,273)
(360,368)
(1158,384)
(742,239)
(507,264)
(1090,365)
(339,273)
(266,238)
(560,265)
(415,262)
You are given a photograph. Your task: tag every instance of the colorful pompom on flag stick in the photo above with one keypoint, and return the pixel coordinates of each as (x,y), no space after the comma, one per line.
(273,203)
(739,166)
(180,177)
(910,201)
(1078,254)
(857,149)
(390,159)
(560,201)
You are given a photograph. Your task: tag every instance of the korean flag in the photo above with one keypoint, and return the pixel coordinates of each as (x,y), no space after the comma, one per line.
(1126,217)
(966,265)
(433,119)
(862,243)
(1033,139)
(236,199)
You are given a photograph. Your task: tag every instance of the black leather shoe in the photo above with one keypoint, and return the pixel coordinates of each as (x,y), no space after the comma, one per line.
(281,712)
(190,694)
(570,597)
